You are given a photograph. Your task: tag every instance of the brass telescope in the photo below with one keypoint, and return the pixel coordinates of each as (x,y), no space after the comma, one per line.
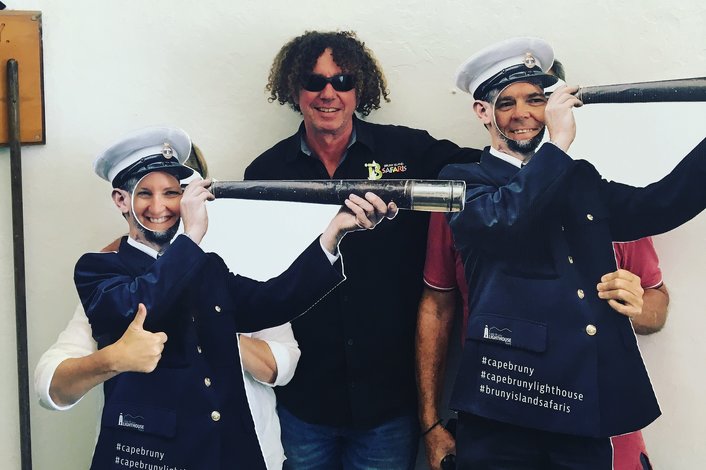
(416,195)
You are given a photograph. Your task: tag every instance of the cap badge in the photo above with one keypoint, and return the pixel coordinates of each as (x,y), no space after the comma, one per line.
(530,61)
(167,151)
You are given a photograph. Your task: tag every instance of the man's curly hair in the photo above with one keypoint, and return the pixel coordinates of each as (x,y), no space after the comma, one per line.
(295,61)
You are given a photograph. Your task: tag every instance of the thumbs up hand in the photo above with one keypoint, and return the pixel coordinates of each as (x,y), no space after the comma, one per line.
(138,350)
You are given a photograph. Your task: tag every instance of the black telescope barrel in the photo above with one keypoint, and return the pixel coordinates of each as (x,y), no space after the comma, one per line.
(425,195)
(678,90)
(314,191)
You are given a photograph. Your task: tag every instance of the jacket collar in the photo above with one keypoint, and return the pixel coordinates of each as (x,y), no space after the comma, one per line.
(135,259)
(500,168)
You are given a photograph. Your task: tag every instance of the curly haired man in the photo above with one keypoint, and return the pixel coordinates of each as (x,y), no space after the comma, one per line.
(352,402)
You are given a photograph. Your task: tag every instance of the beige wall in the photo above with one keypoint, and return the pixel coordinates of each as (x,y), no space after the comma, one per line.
(114,66)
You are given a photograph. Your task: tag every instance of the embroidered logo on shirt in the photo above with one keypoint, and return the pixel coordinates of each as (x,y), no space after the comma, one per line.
(375,171)
(128,421)
(504,335)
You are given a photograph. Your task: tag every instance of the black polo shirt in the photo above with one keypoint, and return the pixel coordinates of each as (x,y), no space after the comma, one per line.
(357,344)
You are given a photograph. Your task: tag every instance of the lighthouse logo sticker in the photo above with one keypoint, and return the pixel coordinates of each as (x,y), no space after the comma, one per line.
(129,421)
(503,335)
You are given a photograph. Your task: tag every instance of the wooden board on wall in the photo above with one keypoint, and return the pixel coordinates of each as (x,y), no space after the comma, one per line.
(21,39)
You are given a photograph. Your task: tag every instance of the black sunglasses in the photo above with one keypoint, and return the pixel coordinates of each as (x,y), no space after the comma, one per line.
(338,82)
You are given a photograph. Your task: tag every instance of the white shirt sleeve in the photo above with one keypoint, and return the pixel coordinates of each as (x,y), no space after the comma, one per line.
(331,257)
(75,341)
(261,397)
(285,350)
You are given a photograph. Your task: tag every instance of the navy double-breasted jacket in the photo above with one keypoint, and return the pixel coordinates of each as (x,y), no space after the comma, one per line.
(191,412)
(542,349)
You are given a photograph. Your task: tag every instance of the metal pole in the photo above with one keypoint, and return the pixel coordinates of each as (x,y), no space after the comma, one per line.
(13,115)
